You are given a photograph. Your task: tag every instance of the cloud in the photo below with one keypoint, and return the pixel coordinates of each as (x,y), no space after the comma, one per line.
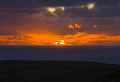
(46,43)
(108,2)
(48,3)
(102,37)
(20,11)
(100,43)
(31,16)
(101,21)
(13,40)
(16,37)
(81,38)
(54,10)
(73,8)
(1,42)
(94,13)
(40,3)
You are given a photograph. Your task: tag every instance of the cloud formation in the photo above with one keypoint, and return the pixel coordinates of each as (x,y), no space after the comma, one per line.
(58,17)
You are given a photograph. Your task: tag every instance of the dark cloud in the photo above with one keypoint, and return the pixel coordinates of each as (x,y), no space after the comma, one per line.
(1,41)
(15,42)
(40,3)
(31,7)
(115,43)
(43,3)
(73,43)
(108,2)
(6,41)
(49,15)
(79,37)
(97,12)
(45,43)
(69,38)
(101,21)
(102,37)
(20,11)
(100,42)
(16,37)
(19,42)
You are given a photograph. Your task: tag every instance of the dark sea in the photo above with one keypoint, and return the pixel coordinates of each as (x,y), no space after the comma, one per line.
(102,54)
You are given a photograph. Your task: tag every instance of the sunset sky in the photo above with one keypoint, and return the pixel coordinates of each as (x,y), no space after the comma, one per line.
(43,22)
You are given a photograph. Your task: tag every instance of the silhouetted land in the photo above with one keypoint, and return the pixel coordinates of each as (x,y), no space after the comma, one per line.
(55,71)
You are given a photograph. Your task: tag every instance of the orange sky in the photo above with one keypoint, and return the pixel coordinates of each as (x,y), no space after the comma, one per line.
(80,38)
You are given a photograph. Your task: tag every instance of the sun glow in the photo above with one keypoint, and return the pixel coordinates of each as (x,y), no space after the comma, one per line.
(60,42)
(62,8)
(52,10)
(90,6)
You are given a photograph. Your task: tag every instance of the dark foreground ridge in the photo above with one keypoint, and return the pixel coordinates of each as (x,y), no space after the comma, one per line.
(54,71)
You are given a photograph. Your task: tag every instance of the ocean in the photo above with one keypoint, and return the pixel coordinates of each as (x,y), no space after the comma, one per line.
(102,54)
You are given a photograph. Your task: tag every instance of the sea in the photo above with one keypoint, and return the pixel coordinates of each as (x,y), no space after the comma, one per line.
(102,54)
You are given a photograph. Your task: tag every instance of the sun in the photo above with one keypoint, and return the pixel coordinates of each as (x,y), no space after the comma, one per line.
(60,42)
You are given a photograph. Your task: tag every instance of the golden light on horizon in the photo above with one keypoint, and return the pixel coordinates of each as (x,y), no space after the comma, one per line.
(90,6)
(80,38)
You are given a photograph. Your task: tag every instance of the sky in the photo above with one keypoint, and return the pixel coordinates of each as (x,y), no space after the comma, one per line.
(43,22)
